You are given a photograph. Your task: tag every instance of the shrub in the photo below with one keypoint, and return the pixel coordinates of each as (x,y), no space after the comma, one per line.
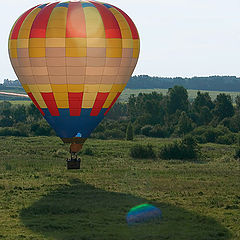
(227,139)
(114,134)
(187,148)
(88,151)
(200,139)
(237,153)
(10,131)
(42,128)
(159,132)
(208,133)
(23,128)
(137,129)
(142,151)
(129,132)
(99,128)
(146,130)
(99,135)
(60,153)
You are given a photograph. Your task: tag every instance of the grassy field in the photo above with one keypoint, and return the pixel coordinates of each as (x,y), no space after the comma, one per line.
(17,102)
(191,93)
(40,199)
(127,92)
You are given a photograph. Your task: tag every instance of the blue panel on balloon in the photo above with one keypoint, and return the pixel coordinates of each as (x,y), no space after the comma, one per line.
(143,213)
(67,126)
(86,4)
(107,5)
(42,6)
(62,5)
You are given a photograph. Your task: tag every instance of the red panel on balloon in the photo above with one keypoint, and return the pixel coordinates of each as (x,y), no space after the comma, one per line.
(113,102)
(39,26)
(111,26)
(130,22)
(76,26)
(51,103)
(99,102)
(75,103)
(36,103)
(19,24)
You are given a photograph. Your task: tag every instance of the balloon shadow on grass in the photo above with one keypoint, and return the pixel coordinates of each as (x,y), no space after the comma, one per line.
(82,212)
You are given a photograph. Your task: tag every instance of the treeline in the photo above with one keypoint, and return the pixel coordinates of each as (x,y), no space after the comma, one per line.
(173,115)
(212,83)
(11,83)
(22,120)
(151,115)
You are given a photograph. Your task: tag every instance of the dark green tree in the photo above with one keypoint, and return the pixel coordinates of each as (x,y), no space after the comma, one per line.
(177,99)
(129,132)
(223,106)
(202,100)
(33,113)
(237,101)
(19,113)
(205,115)
(184,125)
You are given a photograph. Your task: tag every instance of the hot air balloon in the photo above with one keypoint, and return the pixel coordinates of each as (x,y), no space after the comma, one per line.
(74,59)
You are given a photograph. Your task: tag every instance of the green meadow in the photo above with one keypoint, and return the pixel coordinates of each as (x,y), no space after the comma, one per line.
(191,93)
(127,92)
(40,199)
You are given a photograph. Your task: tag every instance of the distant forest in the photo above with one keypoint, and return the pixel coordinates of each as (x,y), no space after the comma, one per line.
(212,83)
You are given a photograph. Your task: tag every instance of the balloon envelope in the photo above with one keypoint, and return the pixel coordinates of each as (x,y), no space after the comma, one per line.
(74,59)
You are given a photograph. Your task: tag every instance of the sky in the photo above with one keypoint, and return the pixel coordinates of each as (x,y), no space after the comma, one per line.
(179,38)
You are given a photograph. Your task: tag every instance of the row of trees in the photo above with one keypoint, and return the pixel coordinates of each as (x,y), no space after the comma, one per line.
(154,115)
(212,83)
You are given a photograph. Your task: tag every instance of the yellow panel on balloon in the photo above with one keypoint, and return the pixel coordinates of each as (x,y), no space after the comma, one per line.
(59,88)
(76,52)
(114,43)
(27,24)
(94,23)
(114,52)
(57,23)
(75,87)
(76,42)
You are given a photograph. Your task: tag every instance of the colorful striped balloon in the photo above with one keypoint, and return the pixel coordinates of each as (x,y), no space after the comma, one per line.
(143,213)
(74,59)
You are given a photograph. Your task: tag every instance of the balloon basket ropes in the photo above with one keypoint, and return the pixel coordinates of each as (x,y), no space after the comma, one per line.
(74,162)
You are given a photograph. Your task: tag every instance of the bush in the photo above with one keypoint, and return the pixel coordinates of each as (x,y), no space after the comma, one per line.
(142,151)
(237,153)
(42,128)
(208,133)
(114,134)
(200,138)
(227,139)
(159,132)
(23,128)
(10,131)
(60,153)
(99,128)
(137,129)
(187,148)
(129,132)
(88,151)
(98,135)
(146,130)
